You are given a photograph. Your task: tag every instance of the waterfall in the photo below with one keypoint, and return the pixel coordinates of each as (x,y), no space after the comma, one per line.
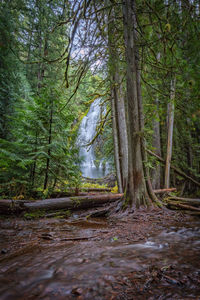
(87,131)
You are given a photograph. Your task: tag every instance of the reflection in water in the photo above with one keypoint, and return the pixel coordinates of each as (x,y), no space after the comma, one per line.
(64,270)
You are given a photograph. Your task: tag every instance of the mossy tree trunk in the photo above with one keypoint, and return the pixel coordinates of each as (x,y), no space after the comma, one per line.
(117,95)
(138,190)
(170,129)
(156,172)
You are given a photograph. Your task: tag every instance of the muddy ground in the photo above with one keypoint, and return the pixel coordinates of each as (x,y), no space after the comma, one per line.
(146,254)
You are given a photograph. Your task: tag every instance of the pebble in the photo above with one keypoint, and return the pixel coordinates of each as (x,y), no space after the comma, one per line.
(4,251)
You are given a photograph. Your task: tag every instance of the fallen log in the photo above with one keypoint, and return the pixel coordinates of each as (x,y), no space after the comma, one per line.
(162,191)
(191,212)
(178,171)
(184,206)
(11,205)
(72,202)
(78,202)
(185,200)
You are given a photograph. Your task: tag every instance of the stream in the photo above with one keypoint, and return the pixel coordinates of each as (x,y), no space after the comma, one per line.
(83,259)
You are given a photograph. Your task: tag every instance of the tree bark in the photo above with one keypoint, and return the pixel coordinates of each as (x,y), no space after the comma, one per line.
(122,130)
(118,106)
(49,143)
(162,191)
(8,206)
(170,133)
(116,146)
(186,200)
(184,206)
(156,173)
(136,190)
(33,167)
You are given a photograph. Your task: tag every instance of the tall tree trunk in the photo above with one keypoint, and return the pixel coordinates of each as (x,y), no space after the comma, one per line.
(122,128)
(33,169)
(136,186)
(49,143)
(118,106)
(39,76)
(43,43)
(156,173)
(170,128)
(29,52)
(116,146)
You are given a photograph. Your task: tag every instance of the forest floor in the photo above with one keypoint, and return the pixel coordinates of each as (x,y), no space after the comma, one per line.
(146,254)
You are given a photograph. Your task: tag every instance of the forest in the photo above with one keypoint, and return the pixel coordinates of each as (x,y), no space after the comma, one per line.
(99,149)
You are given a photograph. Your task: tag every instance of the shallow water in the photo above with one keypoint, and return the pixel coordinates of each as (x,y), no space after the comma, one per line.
(165,266)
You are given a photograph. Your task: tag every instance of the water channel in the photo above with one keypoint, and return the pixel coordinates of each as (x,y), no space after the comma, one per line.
(164,266)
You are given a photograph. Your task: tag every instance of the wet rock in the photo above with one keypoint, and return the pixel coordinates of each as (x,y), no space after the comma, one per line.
(77,291)
(47,236)
(4,251)
(100,213)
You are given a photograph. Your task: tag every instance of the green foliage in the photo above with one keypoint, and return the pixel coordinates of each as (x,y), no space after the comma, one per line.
(114,189)
(171,51)
(93,185)
(13,82)
(42,213)
(38,141)
(34,215)
(39,118)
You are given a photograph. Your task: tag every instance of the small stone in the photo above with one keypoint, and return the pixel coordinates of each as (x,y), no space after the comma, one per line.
(4,251)
(77,291)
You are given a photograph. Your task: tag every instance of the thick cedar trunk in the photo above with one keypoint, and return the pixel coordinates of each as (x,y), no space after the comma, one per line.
(151,195)
(170,133)
(136,186)
(79,202)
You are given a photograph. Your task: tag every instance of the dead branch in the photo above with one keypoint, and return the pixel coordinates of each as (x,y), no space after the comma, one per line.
(178,171)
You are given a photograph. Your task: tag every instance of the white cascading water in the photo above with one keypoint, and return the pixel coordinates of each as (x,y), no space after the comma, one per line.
(87,131)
